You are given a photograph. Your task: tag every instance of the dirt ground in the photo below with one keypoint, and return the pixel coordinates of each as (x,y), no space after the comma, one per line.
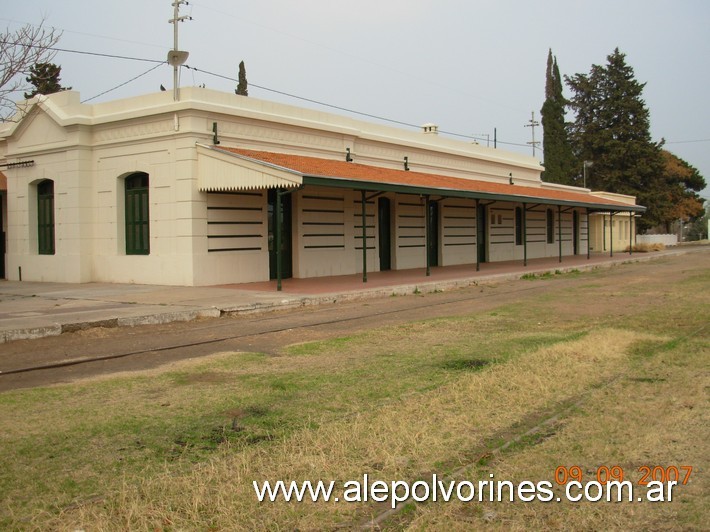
(104,351)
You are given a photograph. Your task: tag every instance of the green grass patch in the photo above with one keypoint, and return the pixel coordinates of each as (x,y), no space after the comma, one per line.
(67,441)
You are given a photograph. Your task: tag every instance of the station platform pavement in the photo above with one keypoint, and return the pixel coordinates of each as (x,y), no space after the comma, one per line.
(30,310)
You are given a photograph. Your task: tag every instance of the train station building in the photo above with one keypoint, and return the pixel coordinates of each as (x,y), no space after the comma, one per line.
(217,188)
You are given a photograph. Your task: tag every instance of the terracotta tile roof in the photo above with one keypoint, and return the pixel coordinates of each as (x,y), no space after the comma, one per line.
(328,168)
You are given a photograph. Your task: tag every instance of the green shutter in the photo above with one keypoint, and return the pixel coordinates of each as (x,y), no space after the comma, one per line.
(137,215)
(45,217)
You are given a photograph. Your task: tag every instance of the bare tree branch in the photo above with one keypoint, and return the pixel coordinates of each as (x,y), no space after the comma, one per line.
(19,51)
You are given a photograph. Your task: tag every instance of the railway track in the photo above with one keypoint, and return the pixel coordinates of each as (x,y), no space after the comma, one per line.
(321,319)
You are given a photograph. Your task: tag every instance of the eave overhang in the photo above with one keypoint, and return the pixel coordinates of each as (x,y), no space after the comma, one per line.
(282,170)
(223,171)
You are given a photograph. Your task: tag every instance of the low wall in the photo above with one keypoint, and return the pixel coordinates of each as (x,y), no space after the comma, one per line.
(666,240)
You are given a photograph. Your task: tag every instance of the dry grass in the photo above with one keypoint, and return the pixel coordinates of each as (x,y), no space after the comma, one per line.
(657,414)
(645,248)
(397,441)
(65,444)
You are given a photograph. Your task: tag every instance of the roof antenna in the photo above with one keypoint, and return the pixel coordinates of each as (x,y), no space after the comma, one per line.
(175,56)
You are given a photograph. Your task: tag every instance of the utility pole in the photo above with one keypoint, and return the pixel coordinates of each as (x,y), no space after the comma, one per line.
(532,125)
(585,165)
(175,56)
(487,135)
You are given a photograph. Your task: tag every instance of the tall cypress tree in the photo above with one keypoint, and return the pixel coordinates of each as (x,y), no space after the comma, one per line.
(559,160)
(242,86)
(612,129)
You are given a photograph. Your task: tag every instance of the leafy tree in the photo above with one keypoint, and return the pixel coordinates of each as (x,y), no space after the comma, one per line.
(699,227)
(559,160)
(612,129)
(45,77)
(679,199)
(242,86)
(19,51)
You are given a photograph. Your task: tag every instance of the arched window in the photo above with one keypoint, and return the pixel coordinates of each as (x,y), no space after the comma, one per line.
(45,217)
(550,227)
(137,214)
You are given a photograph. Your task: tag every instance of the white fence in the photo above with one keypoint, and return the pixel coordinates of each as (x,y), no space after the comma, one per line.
(666,240)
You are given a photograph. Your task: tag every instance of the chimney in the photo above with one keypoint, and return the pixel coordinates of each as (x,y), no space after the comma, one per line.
(430,129)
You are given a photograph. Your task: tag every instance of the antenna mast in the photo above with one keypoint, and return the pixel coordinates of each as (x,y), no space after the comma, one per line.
(532,125)
(175,56)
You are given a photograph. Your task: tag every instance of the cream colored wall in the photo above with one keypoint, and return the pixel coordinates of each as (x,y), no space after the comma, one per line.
(409,233)
(87,166)
(621,227)
(501,231)
(235,247)
(457,231)
(327,234)
(89,149)
(72,218)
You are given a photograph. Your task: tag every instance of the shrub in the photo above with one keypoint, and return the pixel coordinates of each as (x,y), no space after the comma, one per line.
(645,248)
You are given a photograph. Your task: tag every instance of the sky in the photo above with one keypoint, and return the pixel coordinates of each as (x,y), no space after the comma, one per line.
(473,67)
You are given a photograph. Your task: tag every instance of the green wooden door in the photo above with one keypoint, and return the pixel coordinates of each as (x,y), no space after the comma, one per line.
(286,243)
(384,233)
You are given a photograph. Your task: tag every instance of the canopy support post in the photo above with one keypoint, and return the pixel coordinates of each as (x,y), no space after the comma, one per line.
(588,234)
(278,221)
(427,239)
(559,229)
(525,235)
(478,233)
(277,229)
(611,234)
(363,200)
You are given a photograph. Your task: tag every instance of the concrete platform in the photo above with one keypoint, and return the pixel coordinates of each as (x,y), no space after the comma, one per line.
(33,310)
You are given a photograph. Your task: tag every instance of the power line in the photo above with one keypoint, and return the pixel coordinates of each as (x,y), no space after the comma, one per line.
(97,54)
(402,72)
(340,108)
(84,34)
(275,91)
(112,56)
(332,106)
(686,141)
(124,83)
